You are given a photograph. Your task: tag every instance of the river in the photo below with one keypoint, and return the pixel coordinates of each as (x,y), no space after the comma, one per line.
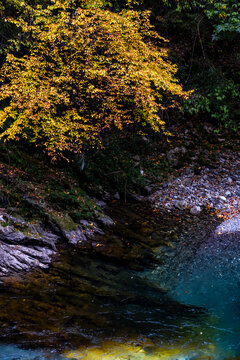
(155,289)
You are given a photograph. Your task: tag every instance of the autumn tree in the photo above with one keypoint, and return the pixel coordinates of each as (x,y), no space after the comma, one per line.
(86,73)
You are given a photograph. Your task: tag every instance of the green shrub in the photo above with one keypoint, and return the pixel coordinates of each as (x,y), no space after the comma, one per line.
(221,104)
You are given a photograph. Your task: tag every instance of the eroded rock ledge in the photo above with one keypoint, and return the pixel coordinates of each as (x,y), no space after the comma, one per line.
(27,245)
(22,250)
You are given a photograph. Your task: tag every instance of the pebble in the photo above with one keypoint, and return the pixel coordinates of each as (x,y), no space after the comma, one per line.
(180,204)
(222,198)
(211,188)
(195,210)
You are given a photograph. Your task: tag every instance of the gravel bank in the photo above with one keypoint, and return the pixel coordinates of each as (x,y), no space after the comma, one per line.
(215,187)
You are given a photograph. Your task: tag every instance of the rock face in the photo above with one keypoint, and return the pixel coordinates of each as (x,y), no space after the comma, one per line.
(21,251)
(82,235)
(14,258)
(231,226)
(25,245)
(105,221)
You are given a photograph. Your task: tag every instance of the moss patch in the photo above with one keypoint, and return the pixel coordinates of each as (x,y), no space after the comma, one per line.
(64,221)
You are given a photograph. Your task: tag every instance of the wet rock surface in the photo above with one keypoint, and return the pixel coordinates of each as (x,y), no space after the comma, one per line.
(23,250)
(17,258)
(27,245)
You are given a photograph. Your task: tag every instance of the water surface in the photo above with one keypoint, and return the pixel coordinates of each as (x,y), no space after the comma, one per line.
(120,303)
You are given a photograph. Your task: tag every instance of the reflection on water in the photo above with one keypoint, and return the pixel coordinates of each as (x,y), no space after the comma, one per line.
(110,351)
(86,301)
(12,352)
(88,307)
(136,351)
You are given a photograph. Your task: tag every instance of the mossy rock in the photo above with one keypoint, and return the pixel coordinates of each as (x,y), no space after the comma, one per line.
(63,221)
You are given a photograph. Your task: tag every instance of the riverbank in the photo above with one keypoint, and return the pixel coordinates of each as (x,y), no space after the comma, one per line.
(216,187)
(46,206)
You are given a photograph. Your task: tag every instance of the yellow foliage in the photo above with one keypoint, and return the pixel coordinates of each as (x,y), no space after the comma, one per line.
(85,75)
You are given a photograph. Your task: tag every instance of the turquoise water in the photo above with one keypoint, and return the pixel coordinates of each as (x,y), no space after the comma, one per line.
(209,279)
(12,352)
(90,302)
(213,282)
(90,307)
